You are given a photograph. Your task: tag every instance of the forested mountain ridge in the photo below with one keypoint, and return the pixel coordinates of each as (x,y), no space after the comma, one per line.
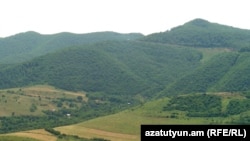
(110,63)
(110,67)
(197,73)
(25,46)
(202,33)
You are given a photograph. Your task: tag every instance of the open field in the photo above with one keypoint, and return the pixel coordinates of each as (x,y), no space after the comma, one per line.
(40,135)
(19,101)
(208,53)
(16,138)
(125,125)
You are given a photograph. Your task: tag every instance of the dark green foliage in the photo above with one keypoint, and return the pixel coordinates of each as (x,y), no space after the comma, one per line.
(196,105)
(116,69)
(112,67)
(33,107)
(25,46)
(246,94)
(79,98)
(16,138)
(98,139)
(238,77)
(53,131)
(205,76)
(244,49)
(244,119)
(86,111)
(134,67)
(64,137)
(238,106)
(201,33)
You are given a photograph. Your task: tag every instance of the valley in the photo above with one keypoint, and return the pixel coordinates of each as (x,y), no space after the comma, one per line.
(125,125)
(103,86)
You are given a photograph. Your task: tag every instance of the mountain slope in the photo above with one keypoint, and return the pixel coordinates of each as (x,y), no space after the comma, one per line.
(25,46)
(237,78)
(112,67)
(227,72)
(205,76)
(201,33)
(129,67)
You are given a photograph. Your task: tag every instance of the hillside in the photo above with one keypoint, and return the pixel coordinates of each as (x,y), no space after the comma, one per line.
(121,68)
(111,66)
(34,100)
(202,33)
(25,46)
(196,73)
(226,72)
(183,109)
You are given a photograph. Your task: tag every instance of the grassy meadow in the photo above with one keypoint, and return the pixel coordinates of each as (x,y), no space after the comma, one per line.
(126,124)
(20,101)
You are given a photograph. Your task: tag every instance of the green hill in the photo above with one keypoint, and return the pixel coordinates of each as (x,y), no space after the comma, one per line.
(132,65)
(199,71)
(111,67)
(202,33)
(25,46)
(182,109)
(224,72)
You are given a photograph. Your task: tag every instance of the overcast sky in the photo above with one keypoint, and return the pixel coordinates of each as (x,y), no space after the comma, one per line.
(123,16)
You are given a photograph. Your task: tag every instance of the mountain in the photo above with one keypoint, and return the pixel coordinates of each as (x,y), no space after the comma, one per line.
(226,72)
(183,60)
(195,73)
(122,68)
(25,46)
(205,76)
(202,33)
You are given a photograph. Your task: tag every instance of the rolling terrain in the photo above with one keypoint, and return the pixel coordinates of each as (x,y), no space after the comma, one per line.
(201,33)
(103,86)
(28,45)
(34,100)
(161,112)
(125,125)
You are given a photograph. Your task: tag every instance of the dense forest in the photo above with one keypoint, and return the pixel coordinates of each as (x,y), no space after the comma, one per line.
(111,67)
(122,70)
(25,46)
(201,33)
(109,63)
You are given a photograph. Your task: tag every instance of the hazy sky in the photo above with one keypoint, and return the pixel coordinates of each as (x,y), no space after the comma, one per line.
(124,16)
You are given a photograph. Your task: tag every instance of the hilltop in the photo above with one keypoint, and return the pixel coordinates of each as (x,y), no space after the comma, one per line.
(28,45)
(195,73)
(202,33)
(197,56)
(122,68)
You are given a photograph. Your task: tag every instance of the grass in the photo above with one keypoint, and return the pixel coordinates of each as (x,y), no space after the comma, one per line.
(18,101)
(125,125)
(39,134)
(16,138)
(208,53)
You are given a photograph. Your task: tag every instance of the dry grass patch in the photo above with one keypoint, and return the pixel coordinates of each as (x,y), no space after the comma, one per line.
(39,134)
(95,133)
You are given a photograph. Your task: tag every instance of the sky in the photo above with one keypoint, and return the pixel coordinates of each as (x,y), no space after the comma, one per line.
(123,16)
